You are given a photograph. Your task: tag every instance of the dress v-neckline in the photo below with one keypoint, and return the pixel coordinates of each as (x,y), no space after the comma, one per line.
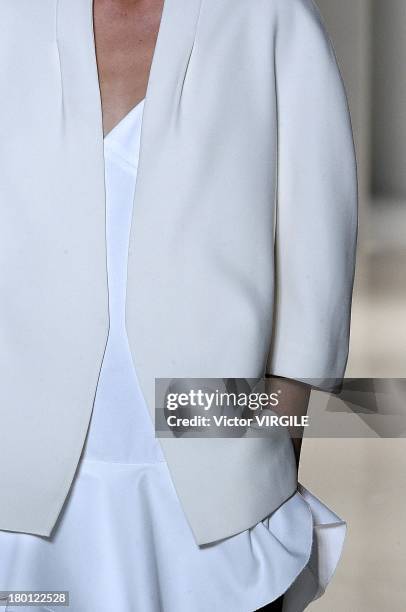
(124,119)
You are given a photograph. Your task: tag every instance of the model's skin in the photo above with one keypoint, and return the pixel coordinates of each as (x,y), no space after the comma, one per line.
(125,36)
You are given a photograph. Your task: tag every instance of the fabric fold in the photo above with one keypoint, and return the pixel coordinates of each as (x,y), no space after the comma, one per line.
(124,529)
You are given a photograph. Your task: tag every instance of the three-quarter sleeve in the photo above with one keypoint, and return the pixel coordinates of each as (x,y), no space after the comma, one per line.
(316,204)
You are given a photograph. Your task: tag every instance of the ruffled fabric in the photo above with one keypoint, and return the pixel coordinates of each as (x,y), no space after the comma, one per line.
(123,544)
(329,533)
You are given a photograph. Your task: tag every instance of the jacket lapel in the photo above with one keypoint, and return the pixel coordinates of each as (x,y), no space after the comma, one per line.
(81,121)
(161,131)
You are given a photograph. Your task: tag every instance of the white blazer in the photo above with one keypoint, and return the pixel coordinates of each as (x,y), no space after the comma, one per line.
(245,123)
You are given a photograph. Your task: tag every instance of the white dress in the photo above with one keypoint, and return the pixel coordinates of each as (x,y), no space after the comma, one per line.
(122,543)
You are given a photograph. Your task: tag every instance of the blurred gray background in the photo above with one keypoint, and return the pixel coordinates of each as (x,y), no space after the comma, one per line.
(364,479)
